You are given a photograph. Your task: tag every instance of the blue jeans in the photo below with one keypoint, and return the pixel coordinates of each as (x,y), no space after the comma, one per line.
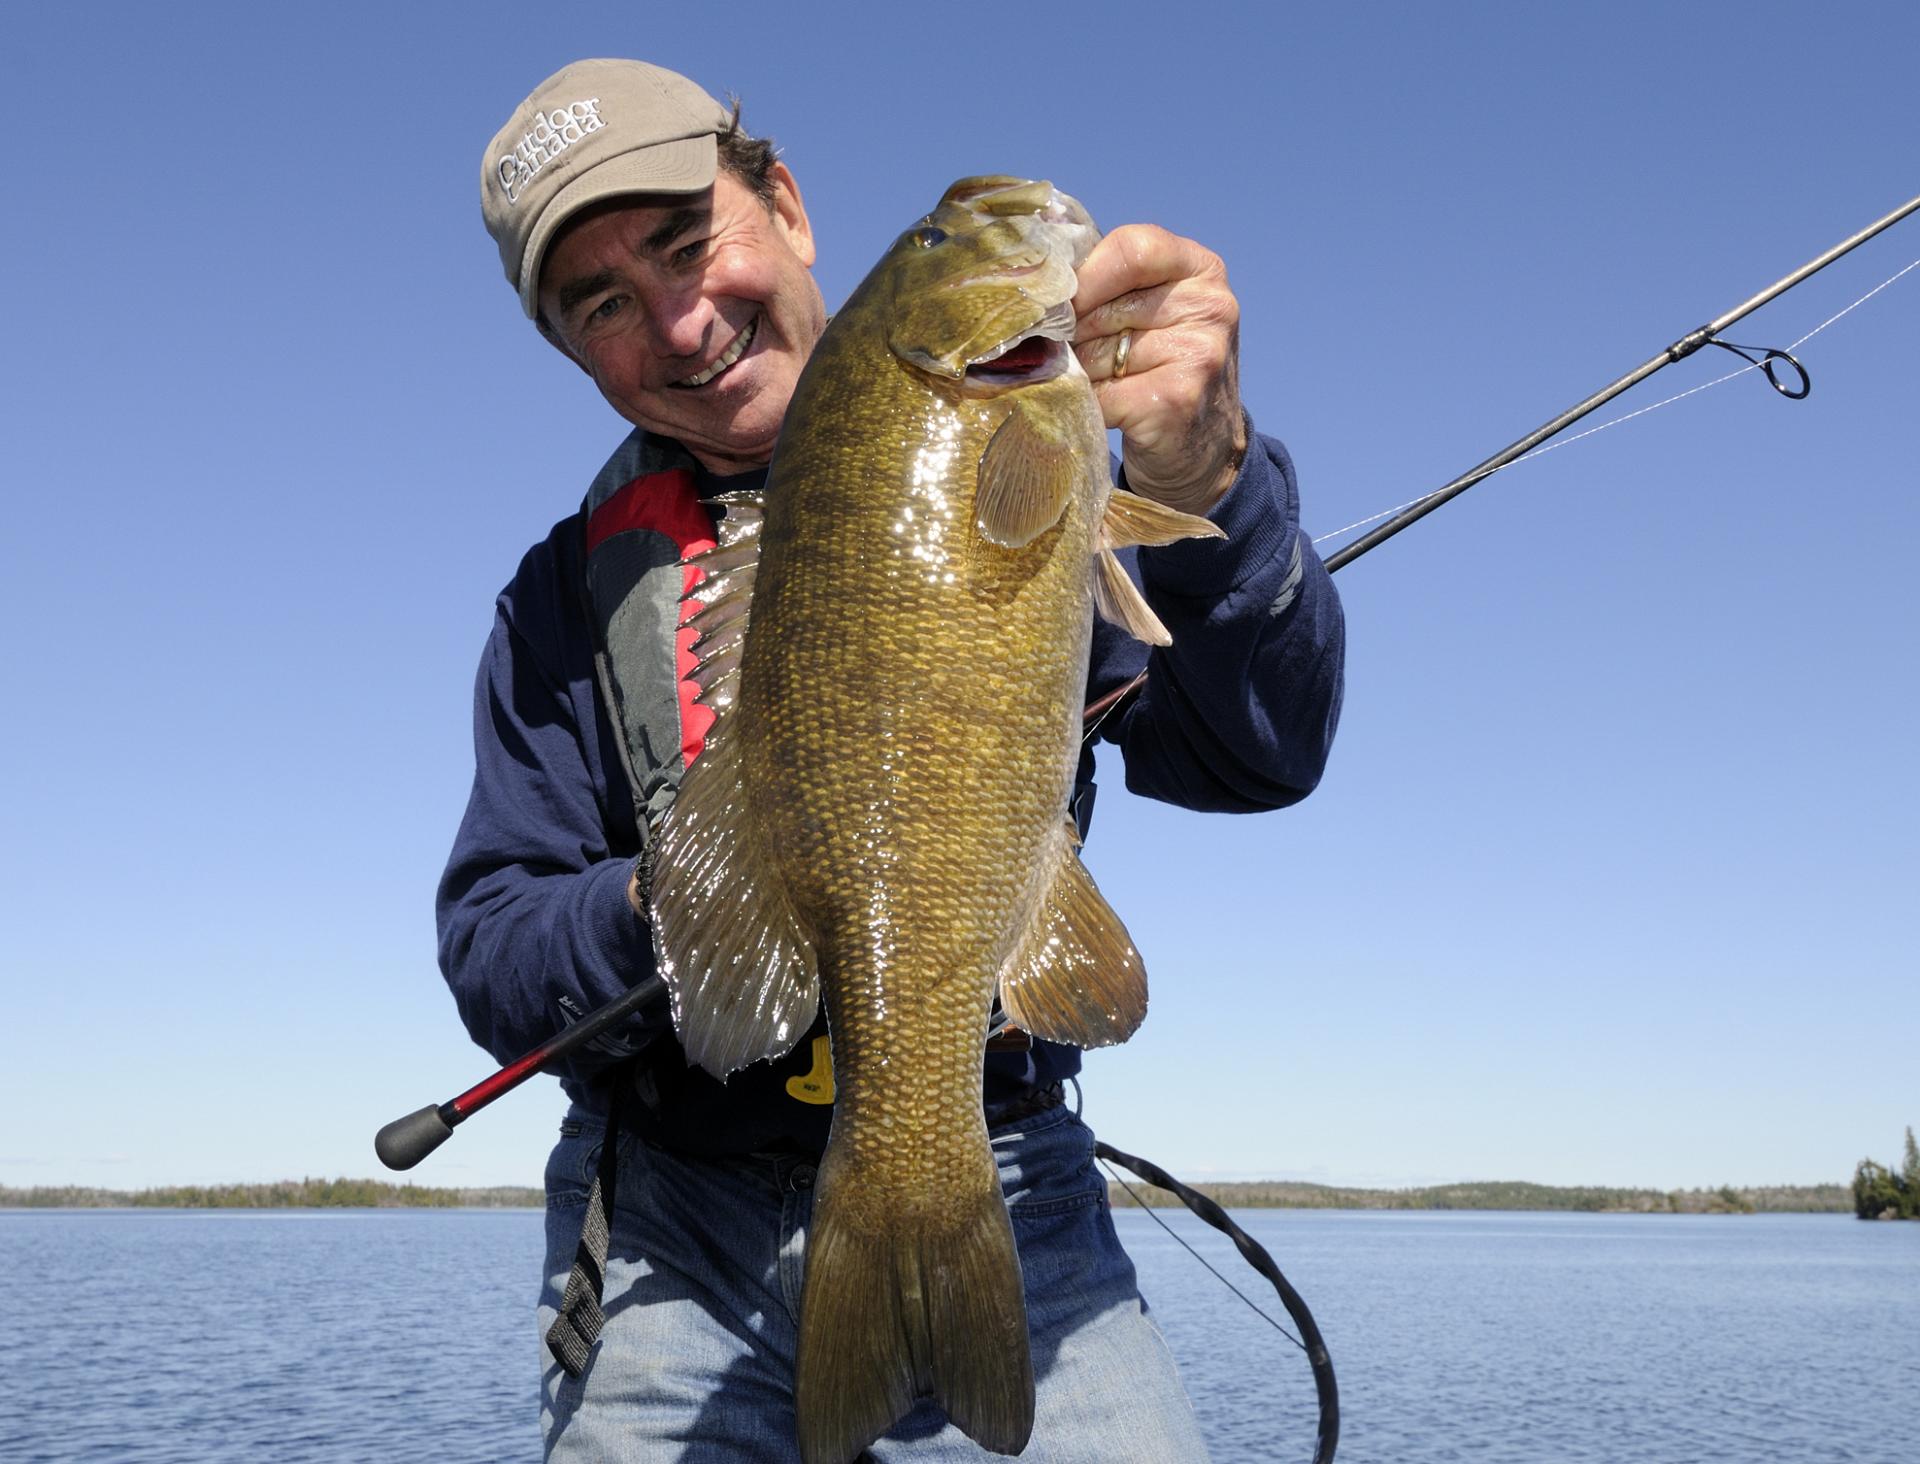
(703,1288)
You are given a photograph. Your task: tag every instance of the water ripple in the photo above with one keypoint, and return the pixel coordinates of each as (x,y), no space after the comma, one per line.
(162,1338)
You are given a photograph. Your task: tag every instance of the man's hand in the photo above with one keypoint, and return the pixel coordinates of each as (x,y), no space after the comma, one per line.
(1177,402)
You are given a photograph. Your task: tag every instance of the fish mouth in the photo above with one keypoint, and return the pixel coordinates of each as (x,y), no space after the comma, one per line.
(736,348)
(1025,361)
(1039,355)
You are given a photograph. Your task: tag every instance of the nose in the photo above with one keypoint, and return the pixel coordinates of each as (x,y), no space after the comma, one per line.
(679,318)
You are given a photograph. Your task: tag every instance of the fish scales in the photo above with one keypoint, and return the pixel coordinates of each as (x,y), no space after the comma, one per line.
(879,815)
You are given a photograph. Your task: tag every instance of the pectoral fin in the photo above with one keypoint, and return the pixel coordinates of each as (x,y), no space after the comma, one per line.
(1026,477)
(1076,978)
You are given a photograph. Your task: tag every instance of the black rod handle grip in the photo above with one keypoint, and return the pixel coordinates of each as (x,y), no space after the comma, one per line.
(406,1141)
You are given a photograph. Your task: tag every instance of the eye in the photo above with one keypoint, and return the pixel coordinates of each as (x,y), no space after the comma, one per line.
(605,310)
(928,236)
(690,253)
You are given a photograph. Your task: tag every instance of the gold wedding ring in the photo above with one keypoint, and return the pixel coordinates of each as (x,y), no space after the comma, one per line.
(1122,353)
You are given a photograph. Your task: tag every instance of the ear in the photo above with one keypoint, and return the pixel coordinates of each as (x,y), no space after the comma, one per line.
(790,214)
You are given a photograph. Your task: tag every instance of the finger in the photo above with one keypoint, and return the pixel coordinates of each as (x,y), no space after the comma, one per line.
(1192,353)
(1139,414)
(1168,380)
(1179,372)
(1136,310)
(1195,354)
(1184,305)
(1101,354)
(1174,452)
(1138,257)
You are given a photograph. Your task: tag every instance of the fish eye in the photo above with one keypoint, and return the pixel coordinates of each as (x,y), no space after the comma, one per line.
(928,236)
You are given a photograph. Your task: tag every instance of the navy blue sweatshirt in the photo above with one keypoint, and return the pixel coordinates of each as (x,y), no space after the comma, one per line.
(535,928)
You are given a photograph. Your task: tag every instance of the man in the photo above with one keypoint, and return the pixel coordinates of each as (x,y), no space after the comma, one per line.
(668,255)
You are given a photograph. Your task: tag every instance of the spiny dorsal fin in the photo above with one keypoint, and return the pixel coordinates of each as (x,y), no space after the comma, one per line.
(1076,977)
(1026,477)
(724,597)
(739,967)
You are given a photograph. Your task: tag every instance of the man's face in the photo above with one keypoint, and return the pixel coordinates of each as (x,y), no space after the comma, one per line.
(693,313)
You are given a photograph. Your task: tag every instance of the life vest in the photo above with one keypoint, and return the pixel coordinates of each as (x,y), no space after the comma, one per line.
(643,515)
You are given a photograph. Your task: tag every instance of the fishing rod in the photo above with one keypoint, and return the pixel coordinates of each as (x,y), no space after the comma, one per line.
(406,1141)
(1795,389)
(1773,362)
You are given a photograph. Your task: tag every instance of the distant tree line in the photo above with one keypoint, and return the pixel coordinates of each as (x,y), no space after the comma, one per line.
(1881,1194)
(286,1194)
(1510,1195)
(1890,1191)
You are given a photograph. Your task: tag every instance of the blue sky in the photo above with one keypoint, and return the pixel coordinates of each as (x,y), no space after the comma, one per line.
(1611,878)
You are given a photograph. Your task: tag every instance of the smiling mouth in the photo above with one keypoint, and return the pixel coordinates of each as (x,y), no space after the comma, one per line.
(727,357)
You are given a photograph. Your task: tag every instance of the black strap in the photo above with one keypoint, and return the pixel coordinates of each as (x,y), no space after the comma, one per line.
(1309,1341)
(571,1337)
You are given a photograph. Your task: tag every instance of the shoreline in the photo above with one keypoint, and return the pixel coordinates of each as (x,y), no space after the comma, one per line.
(1516,1196)
(1508,1195)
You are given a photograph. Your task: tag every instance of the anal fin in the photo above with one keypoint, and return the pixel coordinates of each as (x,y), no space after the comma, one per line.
(1076,978)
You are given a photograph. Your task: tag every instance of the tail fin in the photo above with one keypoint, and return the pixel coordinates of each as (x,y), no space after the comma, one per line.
(922,1308)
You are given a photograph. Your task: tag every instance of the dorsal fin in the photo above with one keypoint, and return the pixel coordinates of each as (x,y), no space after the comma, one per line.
(738,964)
(725,597)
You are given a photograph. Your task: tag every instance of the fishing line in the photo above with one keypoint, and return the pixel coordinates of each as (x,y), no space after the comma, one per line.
(1114,1175)
(1762,364)
(1540,439)
(1857,303)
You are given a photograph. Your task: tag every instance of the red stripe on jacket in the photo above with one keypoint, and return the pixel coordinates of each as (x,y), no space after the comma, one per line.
(667,503)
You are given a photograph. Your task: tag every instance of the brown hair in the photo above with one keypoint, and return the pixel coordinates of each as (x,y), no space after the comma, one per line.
(748,158)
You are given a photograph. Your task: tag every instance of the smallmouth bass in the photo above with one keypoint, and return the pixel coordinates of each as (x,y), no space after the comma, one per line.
(895,639)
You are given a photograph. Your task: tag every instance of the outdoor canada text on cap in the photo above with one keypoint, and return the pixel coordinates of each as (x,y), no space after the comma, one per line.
(591,131)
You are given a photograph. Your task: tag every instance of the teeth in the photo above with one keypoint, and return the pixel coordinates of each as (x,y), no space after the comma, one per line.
(733,353)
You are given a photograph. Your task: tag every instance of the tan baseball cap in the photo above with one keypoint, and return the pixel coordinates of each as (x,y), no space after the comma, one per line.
(592,130)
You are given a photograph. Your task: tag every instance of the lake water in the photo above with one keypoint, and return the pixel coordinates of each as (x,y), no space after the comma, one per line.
(295,1336)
